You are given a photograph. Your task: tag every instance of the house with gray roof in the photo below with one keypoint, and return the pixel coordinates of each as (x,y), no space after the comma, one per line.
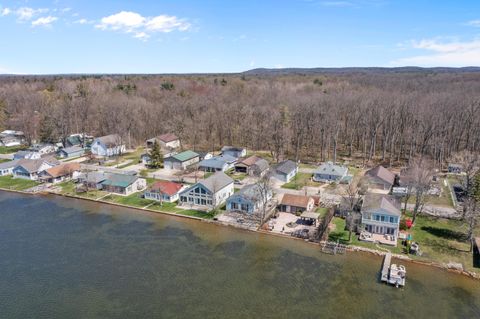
(380,178)
(7,167)
(108,145)
(220,163)
(329,172)
(31,169)
(208,193)
(253,165)
(381,215)
(26,155)
(247,200)
(71,152)
(181,160)
(285,171)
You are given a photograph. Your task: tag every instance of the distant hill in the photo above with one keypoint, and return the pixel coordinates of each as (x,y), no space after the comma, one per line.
(378,70)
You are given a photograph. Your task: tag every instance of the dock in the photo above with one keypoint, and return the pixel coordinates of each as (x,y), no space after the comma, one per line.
(387,260)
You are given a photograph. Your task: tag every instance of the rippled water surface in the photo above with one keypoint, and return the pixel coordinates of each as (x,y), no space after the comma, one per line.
(65,258)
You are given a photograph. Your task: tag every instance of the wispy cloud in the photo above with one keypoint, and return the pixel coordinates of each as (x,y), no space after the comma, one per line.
(337,3)
(84,21)
(142,27)
(27,13)
(443,53)
(474,23)
(44,21)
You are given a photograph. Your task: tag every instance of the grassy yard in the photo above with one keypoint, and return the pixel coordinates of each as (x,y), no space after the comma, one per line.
(300,180)
(11,149)
(308,166)
(4,160)
(263,154)
(322,210)
(68,188)
(18,184)
(239,176)
(440,240)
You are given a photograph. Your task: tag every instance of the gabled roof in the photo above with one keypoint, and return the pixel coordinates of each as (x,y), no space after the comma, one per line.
(249,161)
(216,182)
(390,204)
(331,169)
(286,167)
(213,162)
(110,140)
(251,192)
(184,156)
(63,169)
(31,165)
(11,164)
(119,180)
(262,165)
(168,137)
(72,149)
(93,177)
(166,187)
(381,173)
(295,200)
(74,140)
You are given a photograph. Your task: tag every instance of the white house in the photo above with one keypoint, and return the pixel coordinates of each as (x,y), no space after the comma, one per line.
(43,149)
(109,145)
(233,151)
(181,160)
(167,140)
(26,155)
(7,167)
(164,191)
(210,192)
(329,172)
(60,173)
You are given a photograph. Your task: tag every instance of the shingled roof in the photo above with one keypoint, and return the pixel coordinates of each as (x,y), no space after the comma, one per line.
(295,200)
(166,187)
(216,182)
(390,204)
(381,173)
(110,140)
(286,167)
(167,137)
(63,169)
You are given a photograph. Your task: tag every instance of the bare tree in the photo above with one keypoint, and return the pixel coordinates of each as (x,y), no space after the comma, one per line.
(419,176)
(265,192)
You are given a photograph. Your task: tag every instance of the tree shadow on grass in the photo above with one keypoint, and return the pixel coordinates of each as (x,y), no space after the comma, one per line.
(445,233)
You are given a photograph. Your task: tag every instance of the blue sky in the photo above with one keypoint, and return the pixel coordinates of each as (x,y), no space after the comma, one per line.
(182,36)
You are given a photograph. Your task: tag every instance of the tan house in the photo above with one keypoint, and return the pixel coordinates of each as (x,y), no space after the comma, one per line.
(296,203)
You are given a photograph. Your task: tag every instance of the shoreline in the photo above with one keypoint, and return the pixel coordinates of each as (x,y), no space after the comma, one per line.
(350,248)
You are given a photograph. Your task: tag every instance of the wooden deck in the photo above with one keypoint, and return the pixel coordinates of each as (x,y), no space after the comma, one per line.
(386,267)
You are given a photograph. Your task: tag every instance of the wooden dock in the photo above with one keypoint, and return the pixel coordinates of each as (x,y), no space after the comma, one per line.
(387,260)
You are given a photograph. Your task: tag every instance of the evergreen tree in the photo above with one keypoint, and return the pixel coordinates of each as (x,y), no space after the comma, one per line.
(156,156)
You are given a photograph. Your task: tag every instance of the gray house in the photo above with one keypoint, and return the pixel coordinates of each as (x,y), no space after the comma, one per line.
(285,171)
(253,165)
(70,152)
(380,178)
(220,163)
(247,200)
(329,172)
(381,215)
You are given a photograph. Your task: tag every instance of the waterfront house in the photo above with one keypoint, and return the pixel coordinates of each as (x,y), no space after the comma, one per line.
(247,200)
(210,192)
(60,173)
(164,191)
(181,160)
(31,168)
(7,167)
(26,155)
(291,203)
(253,166)
(220,163)
(122,184)
(92,179)
(71,152)
(107,146)
(381,215)
(285,171)
(233,151)
(380,178)
(329,172)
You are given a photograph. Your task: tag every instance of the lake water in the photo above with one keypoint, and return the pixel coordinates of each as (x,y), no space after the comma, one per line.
(66,258)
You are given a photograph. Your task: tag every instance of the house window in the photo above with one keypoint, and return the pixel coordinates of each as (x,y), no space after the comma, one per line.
(377,218)
(382,218)
(203,191)
(392,219)
(209,202)
(245,207)
(197,190)
(234,205)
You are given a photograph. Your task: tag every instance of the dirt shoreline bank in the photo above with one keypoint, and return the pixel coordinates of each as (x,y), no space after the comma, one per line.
(358,249)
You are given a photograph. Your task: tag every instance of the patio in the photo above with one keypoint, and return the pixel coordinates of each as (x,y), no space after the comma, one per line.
(284,222)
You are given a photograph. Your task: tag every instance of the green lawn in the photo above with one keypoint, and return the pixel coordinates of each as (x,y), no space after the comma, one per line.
(4,160)
(19,184)
(300,180)
(322,210)
(339,233)
(309,166)
(68,188)
(132,200)
(239,176)
(11,149)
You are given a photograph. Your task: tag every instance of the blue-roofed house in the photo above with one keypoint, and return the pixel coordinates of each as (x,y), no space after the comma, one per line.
(285,171)
(248,200)
(220,163)
(329,172)
(71,152)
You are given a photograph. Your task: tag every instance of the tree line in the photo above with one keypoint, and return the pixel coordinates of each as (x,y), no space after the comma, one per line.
(390,117)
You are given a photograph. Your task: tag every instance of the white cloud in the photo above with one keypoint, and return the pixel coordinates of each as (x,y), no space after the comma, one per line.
(140,26)
(5,12)
(26,13)
(452,53)
(474,23)
(44,21)
(84,21)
